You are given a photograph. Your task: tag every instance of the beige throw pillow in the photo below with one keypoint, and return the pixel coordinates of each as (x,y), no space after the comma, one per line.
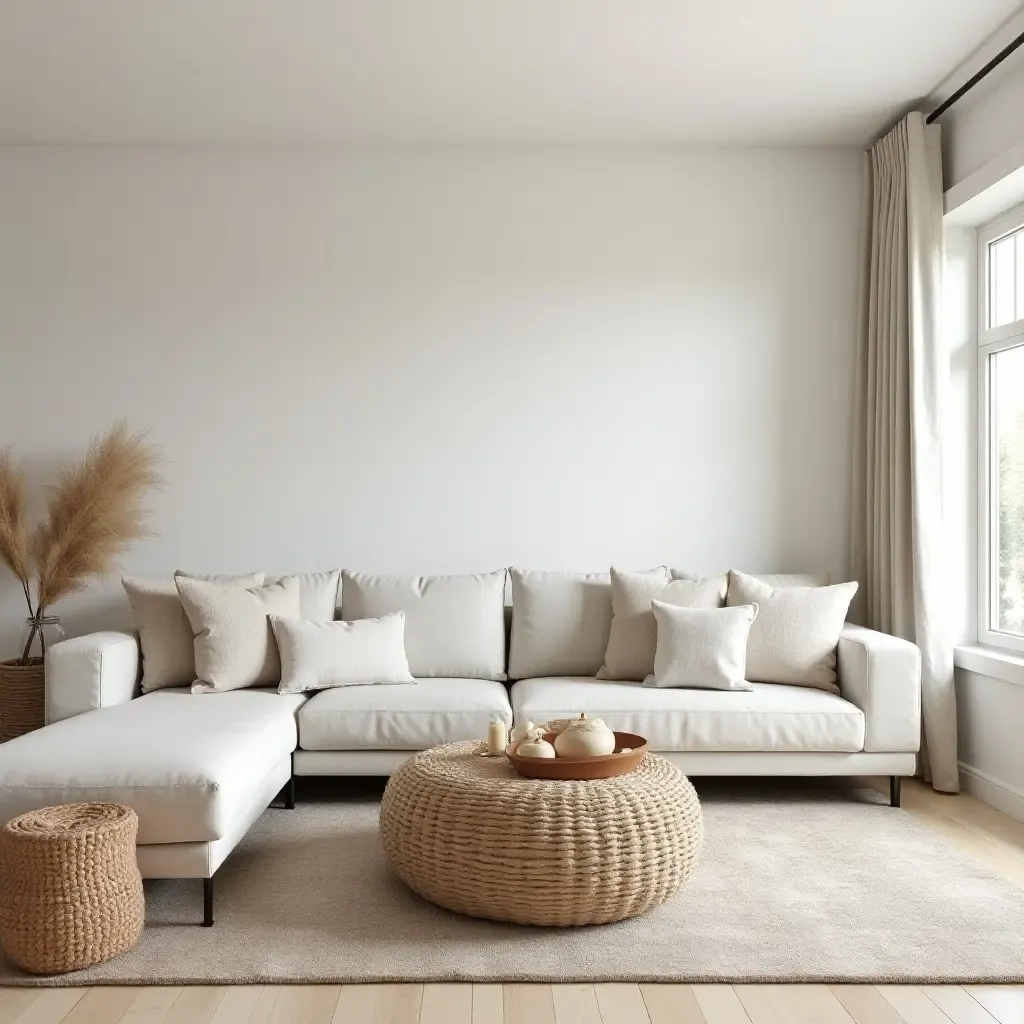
(794,638)
(704,648)
(165,635)
(633,636)
(234,643)
(322,655)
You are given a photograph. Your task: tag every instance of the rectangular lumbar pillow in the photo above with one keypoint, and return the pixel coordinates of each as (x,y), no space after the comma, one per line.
(560,623)
(234,643)
(701,647)
(794,638)
(165,636)
(633,635)
(321,655)
(454,625)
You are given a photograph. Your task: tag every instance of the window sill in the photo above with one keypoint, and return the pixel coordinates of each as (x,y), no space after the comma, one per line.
(991,661)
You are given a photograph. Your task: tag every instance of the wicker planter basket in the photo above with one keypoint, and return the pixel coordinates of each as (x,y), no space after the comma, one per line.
(70,889)
(22,693)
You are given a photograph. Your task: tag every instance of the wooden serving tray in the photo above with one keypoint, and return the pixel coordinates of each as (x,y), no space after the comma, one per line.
(604,766)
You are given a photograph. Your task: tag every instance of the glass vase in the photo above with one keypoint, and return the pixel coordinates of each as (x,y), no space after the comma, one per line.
(38,634)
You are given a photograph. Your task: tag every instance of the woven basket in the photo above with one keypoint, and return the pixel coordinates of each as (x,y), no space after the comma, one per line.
(22,693)
(467,832)
(70,889)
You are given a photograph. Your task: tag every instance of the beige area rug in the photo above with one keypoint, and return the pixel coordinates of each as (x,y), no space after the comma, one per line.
(798,882)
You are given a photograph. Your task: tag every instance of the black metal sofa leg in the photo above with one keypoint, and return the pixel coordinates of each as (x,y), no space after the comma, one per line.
(894,790)
(287,794)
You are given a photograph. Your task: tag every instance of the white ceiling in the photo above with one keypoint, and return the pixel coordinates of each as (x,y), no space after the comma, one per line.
(394,71)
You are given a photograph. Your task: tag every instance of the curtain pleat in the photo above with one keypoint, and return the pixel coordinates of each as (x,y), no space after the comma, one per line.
(897,542)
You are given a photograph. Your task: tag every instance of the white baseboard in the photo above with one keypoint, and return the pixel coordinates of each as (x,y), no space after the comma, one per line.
(999,794)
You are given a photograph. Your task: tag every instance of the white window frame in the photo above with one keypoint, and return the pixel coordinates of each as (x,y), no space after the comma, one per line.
(991,340)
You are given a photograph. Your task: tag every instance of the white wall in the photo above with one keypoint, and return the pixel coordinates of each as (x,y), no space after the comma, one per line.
(442,360)
(989,713)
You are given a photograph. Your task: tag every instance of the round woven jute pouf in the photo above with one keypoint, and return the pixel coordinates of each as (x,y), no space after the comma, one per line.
(467,832)
(70,888)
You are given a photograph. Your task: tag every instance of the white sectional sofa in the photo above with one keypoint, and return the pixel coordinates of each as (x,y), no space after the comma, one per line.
(199,769)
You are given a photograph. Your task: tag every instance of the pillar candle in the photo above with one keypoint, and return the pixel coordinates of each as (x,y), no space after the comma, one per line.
(497,738)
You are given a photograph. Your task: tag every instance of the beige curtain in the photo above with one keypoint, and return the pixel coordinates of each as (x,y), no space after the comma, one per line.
(897,538)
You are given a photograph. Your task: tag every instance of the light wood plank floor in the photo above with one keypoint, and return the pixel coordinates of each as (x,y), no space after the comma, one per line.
(989,835)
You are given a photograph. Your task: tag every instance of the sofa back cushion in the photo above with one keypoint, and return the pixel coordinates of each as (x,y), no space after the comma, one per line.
(560,623)
(454,625)
(318,594)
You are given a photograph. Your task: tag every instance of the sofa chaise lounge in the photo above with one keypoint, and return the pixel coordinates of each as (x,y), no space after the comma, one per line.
(199,769)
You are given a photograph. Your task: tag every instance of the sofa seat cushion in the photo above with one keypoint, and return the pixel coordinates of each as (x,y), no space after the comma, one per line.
(410,716)
(769,717)
(187,763)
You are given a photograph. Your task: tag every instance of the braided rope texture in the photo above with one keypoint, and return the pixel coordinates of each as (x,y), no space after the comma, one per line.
(469,833)
(21,698)
(70,889)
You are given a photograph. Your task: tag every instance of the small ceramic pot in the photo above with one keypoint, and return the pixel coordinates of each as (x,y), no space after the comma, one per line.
(585,737)
(536,747)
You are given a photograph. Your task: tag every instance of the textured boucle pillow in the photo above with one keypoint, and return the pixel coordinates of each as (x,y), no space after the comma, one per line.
(633,636)
(234,642)
(794,637)
(704,648)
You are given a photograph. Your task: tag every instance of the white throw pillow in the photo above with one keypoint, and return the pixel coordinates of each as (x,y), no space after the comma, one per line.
(704,648)
(633,636)
(321,655)
(234,644)
(560,623)
(797,630)
(165,636)
(454,625)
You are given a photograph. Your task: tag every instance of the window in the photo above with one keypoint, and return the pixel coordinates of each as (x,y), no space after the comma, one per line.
(1006,279)
(1001,382)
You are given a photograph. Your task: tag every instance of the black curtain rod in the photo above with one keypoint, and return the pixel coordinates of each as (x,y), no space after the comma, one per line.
(975,79)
